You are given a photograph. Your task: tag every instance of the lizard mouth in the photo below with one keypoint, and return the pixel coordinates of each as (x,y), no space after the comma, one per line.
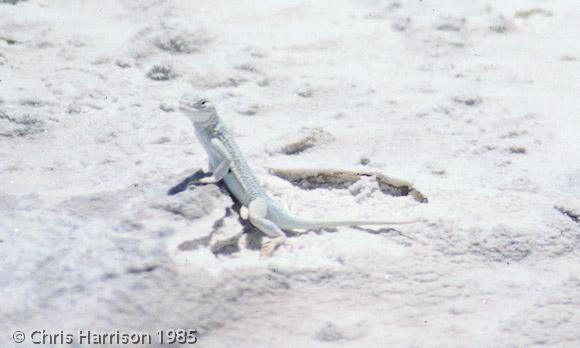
(186,105)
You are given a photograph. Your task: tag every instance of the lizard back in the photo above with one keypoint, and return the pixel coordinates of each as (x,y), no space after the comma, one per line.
(240,181)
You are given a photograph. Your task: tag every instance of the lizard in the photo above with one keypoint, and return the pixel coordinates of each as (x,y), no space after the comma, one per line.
(227,163)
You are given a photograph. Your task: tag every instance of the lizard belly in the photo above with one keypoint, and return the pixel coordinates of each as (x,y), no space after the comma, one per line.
(236,189)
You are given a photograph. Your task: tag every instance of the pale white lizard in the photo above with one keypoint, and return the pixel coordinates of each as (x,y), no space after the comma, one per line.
(227,163)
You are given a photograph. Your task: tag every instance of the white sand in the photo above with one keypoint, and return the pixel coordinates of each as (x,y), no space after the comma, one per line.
(476,103)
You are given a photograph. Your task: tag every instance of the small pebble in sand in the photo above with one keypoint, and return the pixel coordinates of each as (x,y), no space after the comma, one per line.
(305,91)
(166,107)
(123,63)
(250,110)
(73,108)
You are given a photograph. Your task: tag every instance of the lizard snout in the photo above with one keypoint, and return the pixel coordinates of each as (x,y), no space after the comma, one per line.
(187,102)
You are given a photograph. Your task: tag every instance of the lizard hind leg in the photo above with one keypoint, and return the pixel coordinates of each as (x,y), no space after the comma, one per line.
(257,211)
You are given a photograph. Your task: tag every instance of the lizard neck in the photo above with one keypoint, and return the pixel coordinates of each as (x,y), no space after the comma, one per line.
(210,123)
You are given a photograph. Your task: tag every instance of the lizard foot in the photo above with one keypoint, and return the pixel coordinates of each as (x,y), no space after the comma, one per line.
(270,246)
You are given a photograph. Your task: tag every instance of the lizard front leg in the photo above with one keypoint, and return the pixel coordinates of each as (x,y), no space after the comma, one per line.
(223,167)
(218,173)
(222,151)
(257,210)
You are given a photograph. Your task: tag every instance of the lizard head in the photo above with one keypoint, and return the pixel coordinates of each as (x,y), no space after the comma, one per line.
(197,110)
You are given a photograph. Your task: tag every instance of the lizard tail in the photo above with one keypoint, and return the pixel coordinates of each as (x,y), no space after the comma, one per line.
(300,223)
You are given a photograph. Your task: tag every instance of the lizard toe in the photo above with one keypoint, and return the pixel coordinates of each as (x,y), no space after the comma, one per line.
(270,246)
